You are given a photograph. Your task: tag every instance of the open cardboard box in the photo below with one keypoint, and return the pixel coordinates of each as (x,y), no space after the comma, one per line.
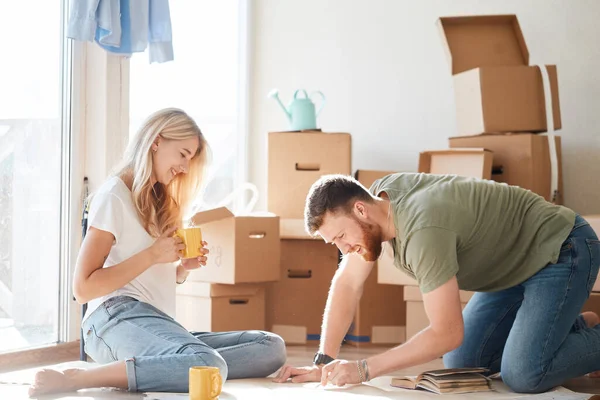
(243,249)
(470,162)
(206,307)
(296,161)
(495,88)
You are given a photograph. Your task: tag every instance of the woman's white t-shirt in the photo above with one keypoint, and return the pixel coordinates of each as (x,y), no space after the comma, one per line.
(112,210)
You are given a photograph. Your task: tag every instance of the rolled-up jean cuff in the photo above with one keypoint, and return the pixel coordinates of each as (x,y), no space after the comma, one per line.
(130,369)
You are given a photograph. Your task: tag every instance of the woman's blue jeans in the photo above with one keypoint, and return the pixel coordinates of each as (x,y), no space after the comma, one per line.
(158,351)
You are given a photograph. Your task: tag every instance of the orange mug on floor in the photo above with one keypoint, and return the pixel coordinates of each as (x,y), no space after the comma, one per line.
(192,239)
(205,383)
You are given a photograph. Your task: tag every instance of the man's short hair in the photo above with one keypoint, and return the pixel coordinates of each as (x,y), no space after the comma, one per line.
(333,193)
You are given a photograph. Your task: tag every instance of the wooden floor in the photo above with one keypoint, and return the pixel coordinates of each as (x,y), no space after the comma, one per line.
(15,384)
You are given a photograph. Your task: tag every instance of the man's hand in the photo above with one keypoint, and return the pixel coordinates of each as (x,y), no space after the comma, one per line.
(340,373)
(298,375)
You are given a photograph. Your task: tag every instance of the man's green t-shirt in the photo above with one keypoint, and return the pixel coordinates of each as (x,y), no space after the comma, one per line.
(490,235)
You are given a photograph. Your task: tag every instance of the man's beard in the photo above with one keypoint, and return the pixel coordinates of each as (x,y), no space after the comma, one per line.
(372,238)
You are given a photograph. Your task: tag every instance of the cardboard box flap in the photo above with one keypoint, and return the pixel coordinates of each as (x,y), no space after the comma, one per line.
(215,214)
(480,41)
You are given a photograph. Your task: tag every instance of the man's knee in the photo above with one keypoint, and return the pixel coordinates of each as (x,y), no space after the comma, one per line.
(521,378)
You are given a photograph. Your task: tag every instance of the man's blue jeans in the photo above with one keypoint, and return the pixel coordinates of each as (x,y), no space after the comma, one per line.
(159,352)
(532,333)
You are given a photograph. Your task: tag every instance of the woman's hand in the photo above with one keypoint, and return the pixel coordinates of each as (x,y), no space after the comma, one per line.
(193,263)
(167,247)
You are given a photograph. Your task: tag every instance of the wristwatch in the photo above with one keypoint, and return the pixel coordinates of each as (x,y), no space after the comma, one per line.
(322,359)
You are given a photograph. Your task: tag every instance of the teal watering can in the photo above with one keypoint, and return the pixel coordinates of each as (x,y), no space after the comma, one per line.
(301,111)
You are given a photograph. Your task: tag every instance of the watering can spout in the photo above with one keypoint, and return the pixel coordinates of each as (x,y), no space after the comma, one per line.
(275,95)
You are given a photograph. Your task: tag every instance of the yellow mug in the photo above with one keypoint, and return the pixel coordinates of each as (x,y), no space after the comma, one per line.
(192,239)
(205,383)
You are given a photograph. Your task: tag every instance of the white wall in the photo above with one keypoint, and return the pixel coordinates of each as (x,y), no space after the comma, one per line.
(382,67)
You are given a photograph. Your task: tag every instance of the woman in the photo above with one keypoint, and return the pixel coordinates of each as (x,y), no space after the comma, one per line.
(128,268)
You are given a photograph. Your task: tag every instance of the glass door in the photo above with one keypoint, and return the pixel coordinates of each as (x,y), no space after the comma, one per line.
(35,70)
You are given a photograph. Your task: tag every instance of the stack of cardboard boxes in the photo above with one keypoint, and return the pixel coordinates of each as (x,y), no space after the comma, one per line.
(229,292)
(500,100)
(295,303)
(266,272)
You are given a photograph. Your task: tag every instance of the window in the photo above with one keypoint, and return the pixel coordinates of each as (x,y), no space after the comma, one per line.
(34,137)
(206,79)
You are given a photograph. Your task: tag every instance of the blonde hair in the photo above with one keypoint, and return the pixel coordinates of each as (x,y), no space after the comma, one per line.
(161,206)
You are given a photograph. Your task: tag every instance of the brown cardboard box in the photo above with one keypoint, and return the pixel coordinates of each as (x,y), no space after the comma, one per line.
(594,221)
(592,303)
(520,159)
(205,307)
(243,249)
(296,161)
(495,88)
(476,163)
(380,315)
(368,176)
(296,303)
(416,318)
(294,229)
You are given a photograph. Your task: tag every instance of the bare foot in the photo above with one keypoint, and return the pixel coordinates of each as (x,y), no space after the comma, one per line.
(52,381)
(591,320)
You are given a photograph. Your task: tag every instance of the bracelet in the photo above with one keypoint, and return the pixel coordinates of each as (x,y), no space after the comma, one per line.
(366,369)
(360,373)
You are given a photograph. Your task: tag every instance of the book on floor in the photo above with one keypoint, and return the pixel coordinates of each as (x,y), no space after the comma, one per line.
(449,380)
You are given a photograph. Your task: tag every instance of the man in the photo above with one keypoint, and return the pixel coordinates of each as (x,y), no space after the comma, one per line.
(532,264)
